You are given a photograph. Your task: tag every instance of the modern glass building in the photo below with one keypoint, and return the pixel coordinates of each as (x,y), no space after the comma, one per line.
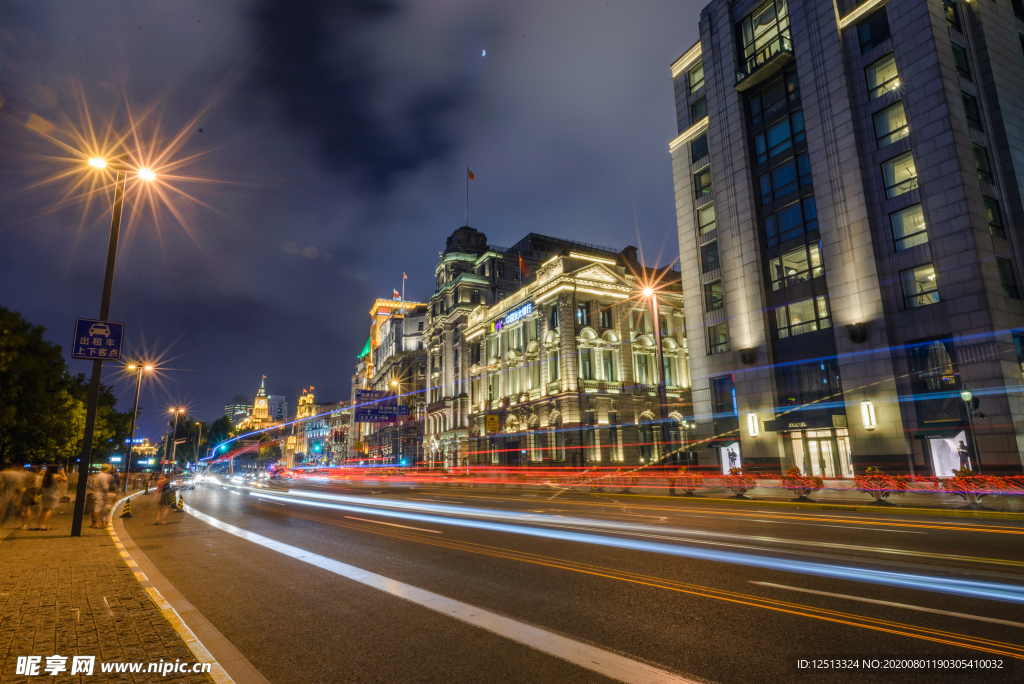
(848,186)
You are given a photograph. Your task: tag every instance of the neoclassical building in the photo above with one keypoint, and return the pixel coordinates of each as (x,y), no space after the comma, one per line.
(564,369)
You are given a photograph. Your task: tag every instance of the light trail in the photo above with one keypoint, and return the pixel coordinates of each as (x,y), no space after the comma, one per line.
(801,610)
(972,588)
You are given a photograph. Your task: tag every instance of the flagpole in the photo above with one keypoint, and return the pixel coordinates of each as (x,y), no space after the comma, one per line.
(467,195)
(403,288)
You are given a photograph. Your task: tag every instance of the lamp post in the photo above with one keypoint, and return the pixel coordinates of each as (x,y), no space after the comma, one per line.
(398,390)
(199,436)
(135,414)
(85,461)
(972,405)
(174,436)
(662,391)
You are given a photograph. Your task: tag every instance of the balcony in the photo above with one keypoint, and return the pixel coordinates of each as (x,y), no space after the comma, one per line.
(765,63)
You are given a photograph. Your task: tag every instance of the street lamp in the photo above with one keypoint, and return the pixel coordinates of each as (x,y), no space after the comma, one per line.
(137,368)
(662,390)
(174,436)
(97,365)
(972,405)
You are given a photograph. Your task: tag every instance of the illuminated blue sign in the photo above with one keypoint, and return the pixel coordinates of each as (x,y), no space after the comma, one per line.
(513,316)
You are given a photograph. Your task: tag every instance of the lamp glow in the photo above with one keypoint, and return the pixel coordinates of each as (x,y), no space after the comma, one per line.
(966,395)
(97,163)
(752,425)
(147,174)
(867,415)
(648,292)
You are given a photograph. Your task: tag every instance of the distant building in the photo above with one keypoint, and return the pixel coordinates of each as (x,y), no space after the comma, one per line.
(259,417)
(240,404)
(277,405)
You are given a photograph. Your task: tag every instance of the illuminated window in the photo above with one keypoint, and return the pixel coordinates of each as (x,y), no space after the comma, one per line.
(803,316)
(706,218)
(949,10)
(796,266)
(713,295)
(919,286)
(891,125)
(695,76)
(609,366)
(586,357)
(764,33)
(702,182)
(900,175)
(606,318)
(908,227)
(718,338)
(882,76)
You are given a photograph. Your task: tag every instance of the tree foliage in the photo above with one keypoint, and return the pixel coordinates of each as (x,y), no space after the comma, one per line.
(42,406)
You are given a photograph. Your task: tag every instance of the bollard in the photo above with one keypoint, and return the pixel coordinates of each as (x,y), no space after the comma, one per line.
(147,490)
(127,512)
(181,503)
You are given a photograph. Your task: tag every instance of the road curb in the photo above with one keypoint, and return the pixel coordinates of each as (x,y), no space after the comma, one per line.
(229,666)
(898,510)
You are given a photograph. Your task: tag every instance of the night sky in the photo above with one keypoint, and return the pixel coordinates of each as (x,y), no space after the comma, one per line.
(327,144)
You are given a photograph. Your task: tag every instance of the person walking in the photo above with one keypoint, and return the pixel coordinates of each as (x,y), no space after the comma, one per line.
(29,495)
(10,490)
(49,495)
(62,487)
(166,501)
(99,487)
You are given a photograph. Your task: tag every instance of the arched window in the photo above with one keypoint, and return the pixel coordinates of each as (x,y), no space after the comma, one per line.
(556,438)
(646,438)
(645,371)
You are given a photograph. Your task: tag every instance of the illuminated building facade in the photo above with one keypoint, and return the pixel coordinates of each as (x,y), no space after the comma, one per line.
(861,269)
(258,417)
(555,366)
(307,408)
(393,354)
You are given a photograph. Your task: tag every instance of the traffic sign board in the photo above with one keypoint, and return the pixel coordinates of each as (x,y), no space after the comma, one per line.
(380,414)
(492,423)
(97,340)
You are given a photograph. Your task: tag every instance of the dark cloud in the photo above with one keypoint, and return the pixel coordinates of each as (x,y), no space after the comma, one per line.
(325,84)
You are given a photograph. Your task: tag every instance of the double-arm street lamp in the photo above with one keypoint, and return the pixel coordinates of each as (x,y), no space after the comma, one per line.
(652,295)
(85,461)
(137,368)
(174,435)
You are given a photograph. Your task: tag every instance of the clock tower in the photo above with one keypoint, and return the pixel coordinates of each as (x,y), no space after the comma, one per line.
(259,406)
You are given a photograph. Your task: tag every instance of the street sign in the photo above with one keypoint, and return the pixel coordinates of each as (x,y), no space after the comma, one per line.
(364,396)
(97,340)
(359,446)
(380,413)
(492,423)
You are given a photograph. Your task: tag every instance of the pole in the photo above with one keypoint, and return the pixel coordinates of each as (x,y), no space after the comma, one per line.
(174,442)
(467,196)
(97,366)
(662,392)
(199,436)
(131,433)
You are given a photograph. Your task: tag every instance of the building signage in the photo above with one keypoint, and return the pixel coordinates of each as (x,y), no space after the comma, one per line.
(97,340)
(492,423)
(512,316)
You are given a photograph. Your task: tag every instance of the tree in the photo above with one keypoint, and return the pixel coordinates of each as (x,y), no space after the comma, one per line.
(42,406)
(218,432)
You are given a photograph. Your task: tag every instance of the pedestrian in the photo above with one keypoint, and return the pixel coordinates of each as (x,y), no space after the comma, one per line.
(49,495)
(99,486)
(62,486)
(29,495)
(10,490)
(166,501)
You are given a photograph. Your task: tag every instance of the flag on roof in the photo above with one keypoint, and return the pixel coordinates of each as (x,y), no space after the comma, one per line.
(522,267)
(405,277)
(470,174)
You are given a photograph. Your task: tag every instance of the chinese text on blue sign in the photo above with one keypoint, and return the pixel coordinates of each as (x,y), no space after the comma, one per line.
(97,340)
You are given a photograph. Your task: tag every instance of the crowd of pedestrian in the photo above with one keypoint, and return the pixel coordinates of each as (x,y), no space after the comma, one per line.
(34,492)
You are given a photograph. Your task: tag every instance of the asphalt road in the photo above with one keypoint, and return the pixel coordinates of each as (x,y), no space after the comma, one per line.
(716,593)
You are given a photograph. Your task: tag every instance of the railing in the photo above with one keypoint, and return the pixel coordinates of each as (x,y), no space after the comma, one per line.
(766,55)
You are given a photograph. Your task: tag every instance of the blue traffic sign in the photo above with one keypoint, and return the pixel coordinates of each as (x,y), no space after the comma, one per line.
(97,340)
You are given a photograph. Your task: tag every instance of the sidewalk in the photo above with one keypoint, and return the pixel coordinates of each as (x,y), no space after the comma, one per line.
(68,596)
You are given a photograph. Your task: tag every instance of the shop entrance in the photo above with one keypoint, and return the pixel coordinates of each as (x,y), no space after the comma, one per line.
(823,453)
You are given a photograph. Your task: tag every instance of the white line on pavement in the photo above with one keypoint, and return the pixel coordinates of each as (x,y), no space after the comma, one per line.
(578,653)
(380,522)
(893,605)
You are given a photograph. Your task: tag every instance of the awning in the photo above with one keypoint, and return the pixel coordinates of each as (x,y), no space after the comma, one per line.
(719,442)
(937,433)
(366,350)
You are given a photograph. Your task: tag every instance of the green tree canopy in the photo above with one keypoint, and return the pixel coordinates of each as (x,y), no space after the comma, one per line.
(42,406)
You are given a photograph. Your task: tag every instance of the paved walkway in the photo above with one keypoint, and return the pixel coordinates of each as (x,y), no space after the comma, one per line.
(68,596)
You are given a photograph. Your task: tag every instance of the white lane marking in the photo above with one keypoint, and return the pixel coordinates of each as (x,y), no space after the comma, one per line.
(380,522)
(578,653)
(893,605)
